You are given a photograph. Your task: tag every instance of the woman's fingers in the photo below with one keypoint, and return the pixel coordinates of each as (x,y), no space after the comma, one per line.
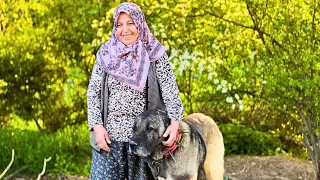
(102,137)
(172,131)
(170,141)
(103,145)
(106,136)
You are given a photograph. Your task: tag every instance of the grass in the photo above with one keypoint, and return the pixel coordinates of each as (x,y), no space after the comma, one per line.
(69,149)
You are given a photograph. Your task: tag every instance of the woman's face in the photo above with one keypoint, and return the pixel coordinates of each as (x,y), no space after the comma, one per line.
(126,30)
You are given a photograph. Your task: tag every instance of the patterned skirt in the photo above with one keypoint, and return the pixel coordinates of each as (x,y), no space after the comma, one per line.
(118,164)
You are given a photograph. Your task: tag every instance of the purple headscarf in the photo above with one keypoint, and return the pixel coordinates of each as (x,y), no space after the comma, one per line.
(130,64)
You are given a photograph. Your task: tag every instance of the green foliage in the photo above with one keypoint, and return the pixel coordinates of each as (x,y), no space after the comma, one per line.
(69,149)
(244,140)
(44,75)
(249,60)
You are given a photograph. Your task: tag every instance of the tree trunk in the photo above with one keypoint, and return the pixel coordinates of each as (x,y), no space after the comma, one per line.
(37,123)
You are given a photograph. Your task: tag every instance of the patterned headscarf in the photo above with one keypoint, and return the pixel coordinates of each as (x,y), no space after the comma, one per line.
(130,64)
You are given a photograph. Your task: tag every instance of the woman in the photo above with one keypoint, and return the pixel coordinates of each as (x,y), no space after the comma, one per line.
(131,74)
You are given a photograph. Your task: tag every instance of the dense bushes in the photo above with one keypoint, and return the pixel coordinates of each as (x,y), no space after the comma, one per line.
(244,140)
(69,149)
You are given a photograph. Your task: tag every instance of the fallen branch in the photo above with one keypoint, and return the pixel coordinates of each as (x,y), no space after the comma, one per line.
(244,168)
(8,167)
(44,167)
(276,177)
(15,173)
(232,178)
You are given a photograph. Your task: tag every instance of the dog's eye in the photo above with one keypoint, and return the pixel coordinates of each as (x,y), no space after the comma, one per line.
(150,128)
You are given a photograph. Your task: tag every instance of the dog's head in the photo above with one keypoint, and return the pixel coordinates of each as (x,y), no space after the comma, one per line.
(148,129)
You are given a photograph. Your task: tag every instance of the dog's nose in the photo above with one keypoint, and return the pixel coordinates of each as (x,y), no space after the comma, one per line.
(133,143)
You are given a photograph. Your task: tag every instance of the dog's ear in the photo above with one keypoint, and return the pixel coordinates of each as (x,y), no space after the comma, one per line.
(164,116)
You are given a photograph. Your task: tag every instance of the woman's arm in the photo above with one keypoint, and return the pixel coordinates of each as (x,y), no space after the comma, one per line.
(169,88)
(94,96)
(94,107)
(171,98)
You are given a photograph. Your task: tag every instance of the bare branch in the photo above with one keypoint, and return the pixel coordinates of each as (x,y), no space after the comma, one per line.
(318,127)
(44,167)
(314,25)
(8,167)
(251,16)
(289,114)
(307,144)
(313,153)
(265,10)
(15,173)
(35,118)
(305,138)
(258,30)
(308,126)
(273,40)
(311,120)
(229,21)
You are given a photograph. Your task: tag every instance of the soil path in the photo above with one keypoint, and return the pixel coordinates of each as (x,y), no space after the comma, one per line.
(268,168)
(249,168)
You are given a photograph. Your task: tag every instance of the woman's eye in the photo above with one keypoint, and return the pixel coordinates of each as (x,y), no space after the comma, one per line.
(118,25)
(131,23)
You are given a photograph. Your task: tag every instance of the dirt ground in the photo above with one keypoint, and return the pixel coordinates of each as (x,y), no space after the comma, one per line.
(251,168)
(268,168)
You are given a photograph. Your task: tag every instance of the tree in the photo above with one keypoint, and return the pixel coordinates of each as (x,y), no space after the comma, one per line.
(43,75)
(238,57)
(251,62)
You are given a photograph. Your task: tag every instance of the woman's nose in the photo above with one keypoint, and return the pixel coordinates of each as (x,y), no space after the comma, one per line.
(125,28)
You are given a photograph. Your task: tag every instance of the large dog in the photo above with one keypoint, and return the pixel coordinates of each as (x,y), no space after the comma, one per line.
(198,155)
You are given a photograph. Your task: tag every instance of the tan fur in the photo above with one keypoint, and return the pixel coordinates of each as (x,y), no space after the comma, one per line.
(194,177)
(214,162)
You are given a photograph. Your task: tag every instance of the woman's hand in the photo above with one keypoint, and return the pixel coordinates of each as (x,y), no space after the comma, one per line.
(102,137)
(172,131)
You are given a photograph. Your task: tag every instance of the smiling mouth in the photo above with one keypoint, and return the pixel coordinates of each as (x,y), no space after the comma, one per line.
(127,36)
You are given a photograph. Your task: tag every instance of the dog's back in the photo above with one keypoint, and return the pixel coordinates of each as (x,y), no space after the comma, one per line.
(214,161)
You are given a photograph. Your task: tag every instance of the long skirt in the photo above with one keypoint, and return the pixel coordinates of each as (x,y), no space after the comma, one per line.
(118,164)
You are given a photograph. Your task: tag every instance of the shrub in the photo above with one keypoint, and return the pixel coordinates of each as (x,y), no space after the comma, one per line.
(243,140)
(69,149)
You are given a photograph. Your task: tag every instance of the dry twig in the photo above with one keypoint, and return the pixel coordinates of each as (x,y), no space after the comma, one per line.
(44,167)
(244,168)
(15,173)
(8,167)
(233,178)
(276,177)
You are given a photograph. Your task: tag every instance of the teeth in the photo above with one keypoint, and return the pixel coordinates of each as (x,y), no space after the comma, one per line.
(125,36)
